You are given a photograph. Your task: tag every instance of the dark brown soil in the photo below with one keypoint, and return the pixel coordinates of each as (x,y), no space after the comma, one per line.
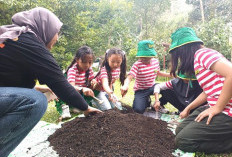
(114,134)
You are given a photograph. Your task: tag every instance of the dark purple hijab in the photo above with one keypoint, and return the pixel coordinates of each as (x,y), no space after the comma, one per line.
(40,21)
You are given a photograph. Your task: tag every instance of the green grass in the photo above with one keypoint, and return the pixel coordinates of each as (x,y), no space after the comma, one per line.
(52,115)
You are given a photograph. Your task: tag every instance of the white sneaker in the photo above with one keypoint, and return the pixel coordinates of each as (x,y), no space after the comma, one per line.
(65,112)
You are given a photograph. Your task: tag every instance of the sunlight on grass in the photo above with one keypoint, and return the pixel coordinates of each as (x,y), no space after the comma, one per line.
(129,97)
(51,114)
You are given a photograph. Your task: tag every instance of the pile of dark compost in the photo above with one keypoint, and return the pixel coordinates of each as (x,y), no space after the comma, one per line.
(114,133)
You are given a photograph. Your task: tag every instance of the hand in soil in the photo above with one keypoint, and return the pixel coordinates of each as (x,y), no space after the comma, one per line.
(156,105)
(91,110)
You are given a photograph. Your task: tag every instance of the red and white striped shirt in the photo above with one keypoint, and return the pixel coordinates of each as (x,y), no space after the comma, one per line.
(210,81)
(144,74)
(78,77)
(103,74)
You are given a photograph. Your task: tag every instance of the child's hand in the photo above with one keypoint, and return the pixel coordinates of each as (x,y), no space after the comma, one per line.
(184,113)
(51,96)
(156,105)
(88,92)
(111,98)
(96,86)
(210,113)
(93,83)
(54,97)
(124,90)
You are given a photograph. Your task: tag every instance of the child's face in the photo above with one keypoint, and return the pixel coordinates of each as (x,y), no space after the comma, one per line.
(145,60)
(86,63)
(115,60)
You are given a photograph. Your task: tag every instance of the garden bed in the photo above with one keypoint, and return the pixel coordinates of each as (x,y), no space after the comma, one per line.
(114,133)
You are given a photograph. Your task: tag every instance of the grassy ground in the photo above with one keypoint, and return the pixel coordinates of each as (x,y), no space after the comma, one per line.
(52,115)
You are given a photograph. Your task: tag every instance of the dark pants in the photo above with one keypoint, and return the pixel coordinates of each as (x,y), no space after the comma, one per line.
(142,99)
(194,136)
(169,95)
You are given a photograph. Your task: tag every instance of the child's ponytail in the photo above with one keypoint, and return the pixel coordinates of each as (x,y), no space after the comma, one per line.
(107,66)
(123,69)
(72,63)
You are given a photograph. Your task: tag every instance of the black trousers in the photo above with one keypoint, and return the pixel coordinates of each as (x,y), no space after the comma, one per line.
(169,95)
(194,136)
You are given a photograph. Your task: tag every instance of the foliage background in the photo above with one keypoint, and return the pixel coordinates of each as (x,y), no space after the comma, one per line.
(102,24)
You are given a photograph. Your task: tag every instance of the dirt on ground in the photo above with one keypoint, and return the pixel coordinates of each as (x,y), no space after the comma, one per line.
(114,133)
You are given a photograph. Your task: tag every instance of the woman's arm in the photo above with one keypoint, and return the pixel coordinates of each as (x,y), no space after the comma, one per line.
(76,87)
(43,65)
(86,91)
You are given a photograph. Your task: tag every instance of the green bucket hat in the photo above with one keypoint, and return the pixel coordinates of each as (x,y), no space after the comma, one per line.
(183,36)
(146,49)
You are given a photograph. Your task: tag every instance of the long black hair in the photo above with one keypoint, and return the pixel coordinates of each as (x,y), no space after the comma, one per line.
(80,54)
(182,58)
(105,63)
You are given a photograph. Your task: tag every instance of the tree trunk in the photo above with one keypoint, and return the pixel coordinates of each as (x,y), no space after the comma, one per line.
(202,11)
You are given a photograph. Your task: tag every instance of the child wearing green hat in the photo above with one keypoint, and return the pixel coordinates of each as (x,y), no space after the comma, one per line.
(145,71)
(209,128)
(179,92)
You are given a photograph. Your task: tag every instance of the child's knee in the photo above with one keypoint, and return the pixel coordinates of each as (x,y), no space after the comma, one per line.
(177,130)
(185,143)
(139,110)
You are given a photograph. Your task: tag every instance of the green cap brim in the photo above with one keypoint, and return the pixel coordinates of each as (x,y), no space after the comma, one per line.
(169,51)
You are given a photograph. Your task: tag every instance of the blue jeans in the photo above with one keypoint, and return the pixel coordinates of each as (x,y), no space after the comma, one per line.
(107,104)
(20,110)
(142,99)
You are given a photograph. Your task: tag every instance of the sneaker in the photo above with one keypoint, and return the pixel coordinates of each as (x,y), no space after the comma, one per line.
(65,112)
(164,110)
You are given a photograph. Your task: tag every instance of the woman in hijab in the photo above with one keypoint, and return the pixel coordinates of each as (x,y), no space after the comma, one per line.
(25,58)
